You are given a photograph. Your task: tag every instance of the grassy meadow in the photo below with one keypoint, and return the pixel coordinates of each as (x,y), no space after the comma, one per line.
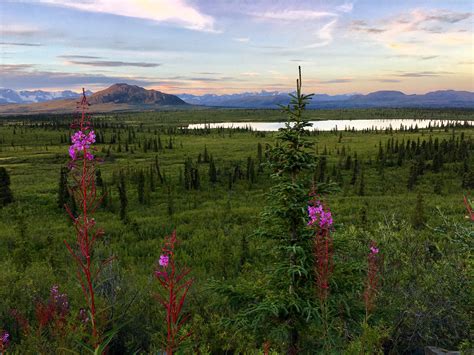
(410,202)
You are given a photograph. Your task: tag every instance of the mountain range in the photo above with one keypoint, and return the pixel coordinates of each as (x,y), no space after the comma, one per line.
(124,97)
(116,98)
(265,99)
(9,96)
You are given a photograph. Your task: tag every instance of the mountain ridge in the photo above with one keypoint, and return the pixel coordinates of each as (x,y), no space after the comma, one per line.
(124,97)
(382,98)
(116,98)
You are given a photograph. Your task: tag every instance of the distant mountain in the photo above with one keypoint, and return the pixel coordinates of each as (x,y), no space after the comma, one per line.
(8,96)
(132,94)
(124,97)
(264,99)
(117,98)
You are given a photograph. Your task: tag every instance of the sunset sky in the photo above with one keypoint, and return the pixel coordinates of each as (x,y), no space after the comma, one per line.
(227,46)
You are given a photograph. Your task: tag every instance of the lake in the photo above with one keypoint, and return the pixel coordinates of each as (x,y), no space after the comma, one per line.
(328,125)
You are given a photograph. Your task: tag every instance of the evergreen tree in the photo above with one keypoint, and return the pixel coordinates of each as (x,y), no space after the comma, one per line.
(322,164)
(250,170)
(141,187)
(6,196)
(260,158)
(188,174)
(438,186)
(288,292)
(212,171)
(412,177)
(196,181)
(355,172)
(206,155)
(64,196)
(122,190)
(363,214)
(361,184)
(169,200)
(418,219)
(98,178)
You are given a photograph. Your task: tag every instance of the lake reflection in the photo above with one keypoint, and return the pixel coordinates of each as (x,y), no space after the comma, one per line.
(328,125)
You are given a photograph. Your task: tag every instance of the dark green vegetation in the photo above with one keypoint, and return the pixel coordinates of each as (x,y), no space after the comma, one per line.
(210,185)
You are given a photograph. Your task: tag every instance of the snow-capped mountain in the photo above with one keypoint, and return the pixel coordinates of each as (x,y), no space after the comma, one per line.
(266,99)
(9,96)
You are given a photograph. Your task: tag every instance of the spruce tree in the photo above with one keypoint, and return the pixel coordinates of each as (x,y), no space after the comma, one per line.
(122,190)
(63,189)
(169,200)
(6,196)
(212,171)
(141,187)
(361,191)
(289,292)
(418,219)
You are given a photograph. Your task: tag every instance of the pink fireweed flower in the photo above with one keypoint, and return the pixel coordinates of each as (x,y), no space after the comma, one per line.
(372,279)
(374,250)
(81,141)
(317,215)
(164,260)
(4,338)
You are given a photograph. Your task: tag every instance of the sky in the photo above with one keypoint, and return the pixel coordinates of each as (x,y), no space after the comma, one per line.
(233,46)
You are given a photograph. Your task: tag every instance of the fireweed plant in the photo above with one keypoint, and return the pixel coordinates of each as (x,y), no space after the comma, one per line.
(372,280)
(4,341)
(321,222)
(174,288)
(50,316)
(82,166)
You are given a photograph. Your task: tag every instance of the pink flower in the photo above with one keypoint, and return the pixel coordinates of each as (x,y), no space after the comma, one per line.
(374,250)
(80,142)
(5,338)
(318,215)
(164,260)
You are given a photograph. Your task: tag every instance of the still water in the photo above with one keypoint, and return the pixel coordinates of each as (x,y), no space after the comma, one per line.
(328,125)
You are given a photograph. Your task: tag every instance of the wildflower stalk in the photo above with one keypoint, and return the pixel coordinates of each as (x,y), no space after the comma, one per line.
(4,341)
(84,191)
(372,280)
(175,287)
(320,219)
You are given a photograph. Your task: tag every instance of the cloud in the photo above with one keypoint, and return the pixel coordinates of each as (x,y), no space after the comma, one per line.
(428,57)
(110,63)
(294,15)
(324,35)
(449,17)
(336,81)
(388,80)
(362,26)
(346,7)
(242,39)
(177,11)
(78,57)
(18,30)
(208,73)
(15,67)
(423,74)
(416,30)
(25,44)
(22,77)
(250,74)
